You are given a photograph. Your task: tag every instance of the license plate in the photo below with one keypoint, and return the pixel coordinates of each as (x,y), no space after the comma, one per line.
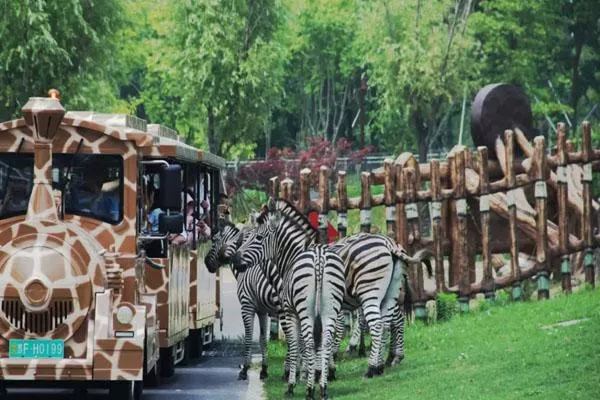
(36,348)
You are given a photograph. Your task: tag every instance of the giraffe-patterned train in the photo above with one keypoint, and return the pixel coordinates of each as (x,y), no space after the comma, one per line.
(81,296)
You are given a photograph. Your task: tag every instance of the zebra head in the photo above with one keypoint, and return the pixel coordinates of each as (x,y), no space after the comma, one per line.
(224,245)
(257,244)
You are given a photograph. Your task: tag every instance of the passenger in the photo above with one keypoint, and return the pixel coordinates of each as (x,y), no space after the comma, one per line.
(153,218)
(193,222)
(91,199)
(15,200)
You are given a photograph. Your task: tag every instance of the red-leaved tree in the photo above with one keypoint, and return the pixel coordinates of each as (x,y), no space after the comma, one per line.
(288,163)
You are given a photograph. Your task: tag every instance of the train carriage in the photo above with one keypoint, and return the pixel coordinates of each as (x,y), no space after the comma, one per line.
(82,296)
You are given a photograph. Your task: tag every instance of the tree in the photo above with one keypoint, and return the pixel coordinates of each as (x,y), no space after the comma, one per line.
(419,58)
(58,44)
(230,63)
(323,77)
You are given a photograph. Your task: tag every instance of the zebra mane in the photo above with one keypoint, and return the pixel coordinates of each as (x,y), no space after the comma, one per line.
(225,223)
(291,214)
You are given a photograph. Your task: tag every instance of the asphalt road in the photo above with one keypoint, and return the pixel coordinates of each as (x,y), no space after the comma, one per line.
(212,378)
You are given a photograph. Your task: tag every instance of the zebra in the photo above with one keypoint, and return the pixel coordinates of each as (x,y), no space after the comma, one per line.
(311,278)
(375,273)
(255,293)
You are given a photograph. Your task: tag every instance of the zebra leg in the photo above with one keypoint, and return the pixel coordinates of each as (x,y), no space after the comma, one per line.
(248,320)
(339,336)
(362,328)
(397,329)
(292,323)
(264,329)
(356,333)
(286,326)
(307,331)
(373,318)
(326,353)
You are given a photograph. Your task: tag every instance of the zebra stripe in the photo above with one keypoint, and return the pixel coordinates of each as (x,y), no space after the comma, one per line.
(255,293)
(374,268)
(312,279)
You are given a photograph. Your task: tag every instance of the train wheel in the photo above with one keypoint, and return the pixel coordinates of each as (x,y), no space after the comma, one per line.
(195,343)
(126,390)
(152,378)
(167,362)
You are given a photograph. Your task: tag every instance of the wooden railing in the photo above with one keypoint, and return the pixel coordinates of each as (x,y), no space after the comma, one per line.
(545,198)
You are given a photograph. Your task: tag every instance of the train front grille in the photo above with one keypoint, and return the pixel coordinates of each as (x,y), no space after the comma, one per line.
(40,322)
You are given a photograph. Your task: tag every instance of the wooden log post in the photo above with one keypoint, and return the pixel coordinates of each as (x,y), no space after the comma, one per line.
(286,191)
(452,225)
(563,221)
(342,210)
(587,233)
(484,215)
(401,231)
(324,202)
(541,209)
(304,192)
(511,202)
(273,187)
(389,197)
(436,225)
(412,216)
(461,234)
(365,202)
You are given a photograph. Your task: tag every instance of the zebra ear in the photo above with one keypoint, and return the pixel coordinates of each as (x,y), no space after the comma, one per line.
(252,218)
(271,206)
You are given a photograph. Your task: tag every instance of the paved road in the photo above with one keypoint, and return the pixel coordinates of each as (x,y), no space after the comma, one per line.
(212,378)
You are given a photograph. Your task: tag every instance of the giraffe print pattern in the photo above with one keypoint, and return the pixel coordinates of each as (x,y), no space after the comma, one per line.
(88,267)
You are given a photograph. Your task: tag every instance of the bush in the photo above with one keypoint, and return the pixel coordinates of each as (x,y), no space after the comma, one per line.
(446,305)
(287,162)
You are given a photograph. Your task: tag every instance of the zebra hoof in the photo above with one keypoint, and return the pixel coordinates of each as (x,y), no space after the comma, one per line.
(317,375)
(243,375)
(324,392)
(379,370)
(351,349)
(310,393)
(393,360)
(371,372)
(290,391)
(331,374)
(286,375)
(362,352)
(263,373)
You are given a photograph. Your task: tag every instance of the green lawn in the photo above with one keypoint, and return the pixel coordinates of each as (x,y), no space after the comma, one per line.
(501,353)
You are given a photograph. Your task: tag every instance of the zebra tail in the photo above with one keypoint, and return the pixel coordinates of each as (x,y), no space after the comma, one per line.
(408,297)
(421,256)
(318,327)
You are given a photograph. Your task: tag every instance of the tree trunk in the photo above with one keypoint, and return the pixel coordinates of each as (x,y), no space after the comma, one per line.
(213,146)
(574,97)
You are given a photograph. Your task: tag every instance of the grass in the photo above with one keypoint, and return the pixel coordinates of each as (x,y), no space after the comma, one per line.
(500,353)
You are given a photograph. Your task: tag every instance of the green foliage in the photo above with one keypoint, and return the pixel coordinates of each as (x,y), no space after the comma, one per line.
(505,352)
(446,305)
(61,44)
(229,63)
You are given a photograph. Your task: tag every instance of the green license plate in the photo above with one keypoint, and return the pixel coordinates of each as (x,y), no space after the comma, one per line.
(36,348)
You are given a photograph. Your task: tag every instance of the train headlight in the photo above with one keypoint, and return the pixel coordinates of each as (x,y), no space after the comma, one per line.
(124,315)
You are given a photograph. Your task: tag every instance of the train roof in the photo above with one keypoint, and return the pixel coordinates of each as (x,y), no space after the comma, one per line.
(153,139)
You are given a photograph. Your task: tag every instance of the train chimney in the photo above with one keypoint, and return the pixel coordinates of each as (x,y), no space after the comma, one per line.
(43,115)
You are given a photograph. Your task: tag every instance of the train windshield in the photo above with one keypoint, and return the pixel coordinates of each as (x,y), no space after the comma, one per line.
(92,184)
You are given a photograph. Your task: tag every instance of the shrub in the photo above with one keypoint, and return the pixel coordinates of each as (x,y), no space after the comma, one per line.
(446,305)
(287,162)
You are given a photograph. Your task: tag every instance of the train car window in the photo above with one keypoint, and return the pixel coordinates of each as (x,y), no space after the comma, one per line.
(92,185)
(16,183)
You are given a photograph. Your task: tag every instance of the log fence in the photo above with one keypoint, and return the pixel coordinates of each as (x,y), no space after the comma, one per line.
(540,203)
